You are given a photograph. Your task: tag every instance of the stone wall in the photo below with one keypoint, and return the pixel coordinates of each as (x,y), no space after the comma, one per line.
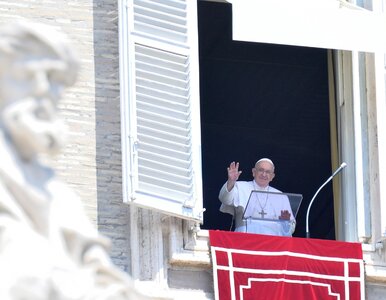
(91,161)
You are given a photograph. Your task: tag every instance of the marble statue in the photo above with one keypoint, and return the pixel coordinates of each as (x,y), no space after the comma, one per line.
(48,248)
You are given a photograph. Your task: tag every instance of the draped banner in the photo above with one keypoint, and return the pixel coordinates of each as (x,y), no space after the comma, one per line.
(252,266)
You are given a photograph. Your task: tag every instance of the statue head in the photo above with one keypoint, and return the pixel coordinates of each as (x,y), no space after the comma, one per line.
(36,64)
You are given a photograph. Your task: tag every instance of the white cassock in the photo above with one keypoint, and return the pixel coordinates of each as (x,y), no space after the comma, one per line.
(261,214)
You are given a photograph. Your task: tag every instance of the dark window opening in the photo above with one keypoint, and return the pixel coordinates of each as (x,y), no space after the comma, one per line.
(263,100)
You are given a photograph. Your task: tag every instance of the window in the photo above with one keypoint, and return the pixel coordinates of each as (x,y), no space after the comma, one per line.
(161,139)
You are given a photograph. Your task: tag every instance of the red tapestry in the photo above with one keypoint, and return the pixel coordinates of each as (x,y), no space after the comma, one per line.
(252,266)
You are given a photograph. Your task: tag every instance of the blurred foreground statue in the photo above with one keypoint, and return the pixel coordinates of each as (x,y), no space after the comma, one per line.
(48,248)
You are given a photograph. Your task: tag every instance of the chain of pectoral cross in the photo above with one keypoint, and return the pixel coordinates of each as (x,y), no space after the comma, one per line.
(262,212)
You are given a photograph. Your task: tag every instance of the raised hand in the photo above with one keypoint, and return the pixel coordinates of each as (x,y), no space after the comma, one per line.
(233,175)
(285,215)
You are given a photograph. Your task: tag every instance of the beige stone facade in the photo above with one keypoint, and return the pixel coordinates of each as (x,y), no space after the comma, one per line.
(91,161)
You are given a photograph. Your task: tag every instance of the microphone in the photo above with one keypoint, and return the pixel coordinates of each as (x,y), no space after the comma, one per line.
(341,167)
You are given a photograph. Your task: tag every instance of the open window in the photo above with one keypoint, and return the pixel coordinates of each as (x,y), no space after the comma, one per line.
(161,137)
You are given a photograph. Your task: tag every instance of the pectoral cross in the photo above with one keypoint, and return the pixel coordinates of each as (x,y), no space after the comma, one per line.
(262,213)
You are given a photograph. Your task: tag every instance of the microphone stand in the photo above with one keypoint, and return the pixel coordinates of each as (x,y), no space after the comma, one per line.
(342,166)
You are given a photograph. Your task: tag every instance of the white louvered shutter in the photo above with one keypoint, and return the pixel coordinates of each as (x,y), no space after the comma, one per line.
(161,142)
